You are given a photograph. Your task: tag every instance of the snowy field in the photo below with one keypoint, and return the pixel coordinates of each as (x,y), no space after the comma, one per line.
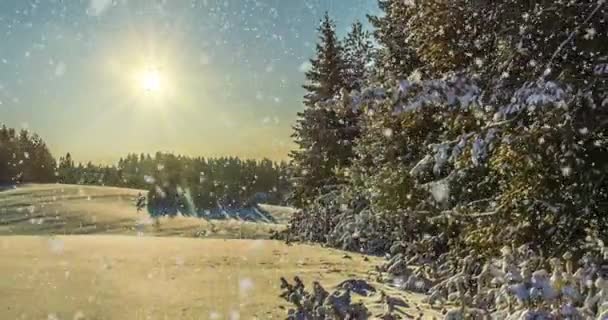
(68,209)
(123,277)
(72,252)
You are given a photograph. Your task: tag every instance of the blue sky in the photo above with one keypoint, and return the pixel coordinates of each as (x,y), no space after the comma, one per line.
(230,73)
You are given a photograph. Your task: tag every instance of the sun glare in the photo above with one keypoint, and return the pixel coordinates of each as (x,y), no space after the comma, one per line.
(150,80)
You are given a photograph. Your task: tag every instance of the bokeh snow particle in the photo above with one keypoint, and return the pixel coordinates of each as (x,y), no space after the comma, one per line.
(245,286)
(98,7)
(149,179)
(79,315)
(440,191)
(204,59)
(590,34)
(60,69)
(56,245)
(387,132)
(305,66)
(235,315)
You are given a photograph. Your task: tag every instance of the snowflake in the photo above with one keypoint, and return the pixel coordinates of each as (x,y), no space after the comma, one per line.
(60,69)
(56,245)
(245,286)
(440,191)
(387,132)
(98,7)
(79,315)
(590,34)
(235,315)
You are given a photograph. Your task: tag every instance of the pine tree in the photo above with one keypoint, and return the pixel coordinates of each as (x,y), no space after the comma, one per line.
(396,57)
(326,76)
(6,152)
(324,135)
(65,169)
(358,54)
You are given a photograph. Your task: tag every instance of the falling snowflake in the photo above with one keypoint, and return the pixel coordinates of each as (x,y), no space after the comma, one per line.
(387,132)
(305,66)
(204,59)
(590,34)
(440,191)
(56,245)
(235,315)
(79,315)
(245,286)
(60,69)
(98,7)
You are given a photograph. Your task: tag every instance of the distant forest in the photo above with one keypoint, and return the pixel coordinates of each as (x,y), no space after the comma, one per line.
(194,182)
(190,184)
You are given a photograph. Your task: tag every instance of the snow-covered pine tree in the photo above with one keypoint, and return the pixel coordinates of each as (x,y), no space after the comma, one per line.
(396,57)
(501,142)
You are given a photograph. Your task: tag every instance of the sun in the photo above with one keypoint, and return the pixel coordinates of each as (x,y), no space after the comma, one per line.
(151,80)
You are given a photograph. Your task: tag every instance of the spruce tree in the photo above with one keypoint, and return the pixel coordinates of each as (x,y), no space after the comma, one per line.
(396,57)
(66,169)
(324,135)
(326,76)
(358,53)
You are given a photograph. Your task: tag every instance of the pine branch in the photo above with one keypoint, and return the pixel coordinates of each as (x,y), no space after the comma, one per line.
(600,3)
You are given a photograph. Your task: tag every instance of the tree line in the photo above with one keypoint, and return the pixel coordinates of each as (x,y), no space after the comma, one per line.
(186,184)
(24,157)
(207,182)
(479,122)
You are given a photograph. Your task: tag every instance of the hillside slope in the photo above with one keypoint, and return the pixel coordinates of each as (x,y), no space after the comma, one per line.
(69,209)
